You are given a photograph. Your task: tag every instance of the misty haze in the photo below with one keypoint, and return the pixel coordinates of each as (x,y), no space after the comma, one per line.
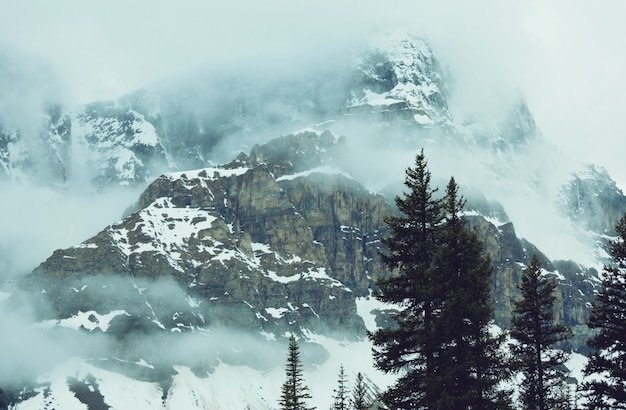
(186,186)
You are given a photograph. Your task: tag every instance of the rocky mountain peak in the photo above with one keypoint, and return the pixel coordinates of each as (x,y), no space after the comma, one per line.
(44,154)
(279,241)
(518,129)
(593,200)
(259,250)
(404,81)
(276,240)
(125,148)
(297,152)
(512,134)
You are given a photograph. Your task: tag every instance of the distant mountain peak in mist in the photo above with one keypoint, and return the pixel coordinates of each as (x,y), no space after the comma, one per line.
(403,77)
(398,82)
(394,94)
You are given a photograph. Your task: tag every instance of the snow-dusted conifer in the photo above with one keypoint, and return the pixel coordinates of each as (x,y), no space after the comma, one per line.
(294,392)
(441,342)
(341,397)
(359,401)
(608,316)
(536,334)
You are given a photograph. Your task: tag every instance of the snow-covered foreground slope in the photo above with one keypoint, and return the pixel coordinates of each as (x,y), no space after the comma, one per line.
(79,383)
(82,384)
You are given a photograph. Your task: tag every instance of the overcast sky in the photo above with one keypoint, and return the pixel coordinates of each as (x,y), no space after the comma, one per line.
(568,58)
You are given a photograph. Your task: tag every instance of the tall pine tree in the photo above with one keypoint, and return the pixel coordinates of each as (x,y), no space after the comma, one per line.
(294,392)
(607,364)
(359,401)
(411,243)
(470,360)
(341,396)
(440,344)
(536,335)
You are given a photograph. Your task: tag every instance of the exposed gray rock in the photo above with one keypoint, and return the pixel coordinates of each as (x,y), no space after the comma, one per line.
(593,200)
(242,247)
(400,82)
(43,156)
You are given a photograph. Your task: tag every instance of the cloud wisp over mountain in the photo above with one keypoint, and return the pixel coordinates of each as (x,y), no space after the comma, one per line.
(565,57)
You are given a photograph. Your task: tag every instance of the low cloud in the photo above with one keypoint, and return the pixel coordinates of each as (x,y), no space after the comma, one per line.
(565,57)
(36,220)
(31,347)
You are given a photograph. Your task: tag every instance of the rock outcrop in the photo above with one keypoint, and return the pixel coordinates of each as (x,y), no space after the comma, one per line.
(255,250)
(44,154)
(276,240)
(593,200)
(400,81)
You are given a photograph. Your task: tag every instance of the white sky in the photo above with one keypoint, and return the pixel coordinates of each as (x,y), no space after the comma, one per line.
(567,57)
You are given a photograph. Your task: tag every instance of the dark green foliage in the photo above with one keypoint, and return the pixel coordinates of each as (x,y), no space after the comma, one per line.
(342,401)
(533,328)
(294,392)
(359,401)
(411,245)
(608,316)
(440,344)
(469,363)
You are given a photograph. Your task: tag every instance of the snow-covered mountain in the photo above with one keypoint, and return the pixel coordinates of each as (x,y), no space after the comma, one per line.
(228,251)
(276,242)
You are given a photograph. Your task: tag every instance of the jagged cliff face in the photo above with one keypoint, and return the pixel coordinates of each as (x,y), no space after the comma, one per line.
(400,82)
(592,199)
(281,239)
(43,156)
(253,244)
(510,255)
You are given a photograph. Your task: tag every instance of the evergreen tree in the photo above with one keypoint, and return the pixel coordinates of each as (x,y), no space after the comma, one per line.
(358,395)
(440,342)
(470,362)
(533,327)
(411,244)
(342,400)
(294,392)
(607,389)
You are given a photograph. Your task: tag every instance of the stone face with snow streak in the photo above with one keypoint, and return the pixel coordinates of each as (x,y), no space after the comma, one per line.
(273,241)
(42,152)
(401,80)
(122,145)
(240,241)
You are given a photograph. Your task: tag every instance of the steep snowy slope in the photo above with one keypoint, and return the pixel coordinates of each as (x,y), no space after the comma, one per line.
(122,147)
